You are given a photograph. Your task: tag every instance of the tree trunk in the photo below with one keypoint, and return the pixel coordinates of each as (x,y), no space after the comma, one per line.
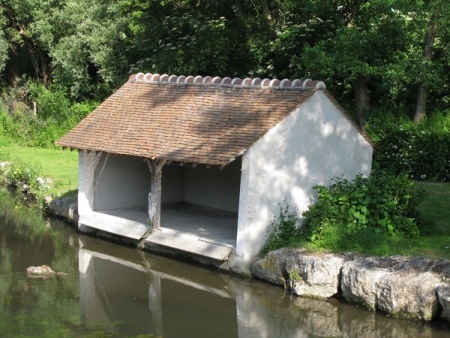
(240,9)
(426,58)
(13,67)
(45,69)
(266,9)
(362,98)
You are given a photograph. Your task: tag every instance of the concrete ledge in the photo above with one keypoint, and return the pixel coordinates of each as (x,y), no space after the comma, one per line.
(115,225)
(188,244)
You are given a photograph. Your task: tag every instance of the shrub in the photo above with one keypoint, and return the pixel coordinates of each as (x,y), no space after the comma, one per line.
(51,102)
(381,204)
(283,230)
(421,151)
(55,116)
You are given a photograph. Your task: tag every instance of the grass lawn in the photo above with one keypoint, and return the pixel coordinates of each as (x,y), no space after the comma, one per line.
(435,208)
(59,165)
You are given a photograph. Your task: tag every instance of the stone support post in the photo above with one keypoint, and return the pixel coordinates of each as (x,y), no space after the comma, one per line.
(154,199)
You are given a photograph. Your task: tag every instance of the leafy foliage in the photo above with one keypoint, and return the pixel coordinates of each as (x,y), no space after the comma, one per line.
(422,151)
(54,115)
(380,204)
(24,177)
(283,230)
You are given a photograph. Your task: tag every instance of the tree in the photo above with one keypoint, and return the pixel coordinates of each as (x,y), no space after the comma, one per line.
(364,44)
(25,25)
(89,58)
(436,32)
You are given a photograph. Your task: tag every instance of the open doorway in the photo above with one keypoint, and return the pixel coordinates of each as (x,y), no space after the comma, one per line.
(202,201)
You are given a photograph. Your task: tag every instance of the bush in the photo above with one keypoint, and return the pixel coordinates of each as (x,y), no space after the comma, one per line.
(54,117)
(421,151)
(380,204)
(23,177)
(51,102)
(283,230)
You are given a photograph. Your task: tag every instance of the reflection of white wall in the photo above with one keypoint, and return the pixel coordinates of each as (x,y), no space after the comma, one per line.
(312,145)
(90,304)
(121,182)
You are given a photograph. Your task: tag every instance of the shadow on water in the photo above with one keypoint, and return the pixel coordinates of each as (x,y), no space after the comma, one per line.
(116,291)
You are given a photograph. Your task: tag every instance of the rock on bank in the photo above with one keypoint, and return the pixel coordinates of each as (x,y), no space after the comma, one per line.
(416,288)
(65,207)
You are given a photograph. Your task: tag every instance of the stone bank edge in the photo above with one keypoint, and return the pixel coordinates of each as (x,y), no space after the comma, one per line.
(405,287)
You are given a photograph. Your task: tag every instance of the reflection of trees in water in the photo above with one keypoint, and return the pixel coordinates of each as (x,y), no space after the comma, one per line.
(34,306)
(52,307)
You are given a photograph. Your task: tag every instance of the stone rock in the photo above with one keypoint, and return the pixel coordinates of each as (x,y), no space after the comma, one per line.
(272,267)
(443,294)
(410,291)
(66,207)
(4,165)
(416,288)
(314,275)
(359,280)
(43,271)
(44,183)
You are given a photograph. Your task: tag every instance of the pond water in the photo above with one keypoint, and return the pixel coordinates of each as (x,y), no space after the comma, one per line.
(115,291)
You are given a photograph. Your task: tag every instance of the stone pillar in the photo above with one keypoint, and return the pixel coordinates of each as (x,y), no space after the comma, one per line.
(154,210)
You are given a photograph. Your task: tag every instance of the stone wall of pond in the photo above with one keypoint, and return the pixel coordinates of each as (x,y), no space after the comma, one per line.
(406,287)
(65,207)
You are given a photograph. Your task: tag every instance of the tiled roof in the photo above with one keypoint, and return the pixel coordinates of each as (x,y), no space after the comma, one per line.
(187,119)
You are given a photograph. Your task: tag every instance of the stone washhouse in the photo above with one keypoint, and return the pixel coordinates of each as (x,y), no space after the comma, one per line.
(198,166)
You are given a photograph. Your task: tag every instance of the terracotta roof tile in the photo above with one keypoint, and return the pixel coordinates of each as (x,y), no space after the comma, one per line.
(210,120)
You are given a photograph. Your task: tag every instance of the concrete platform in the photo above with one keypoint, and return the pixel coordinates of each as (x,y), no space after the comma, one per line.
(117,224)
(208,224)
(184,227)
(174,241)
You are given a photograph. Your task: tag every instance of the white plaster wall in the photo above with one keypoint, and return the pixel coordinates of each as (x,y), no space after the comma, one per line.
(213,187)
(172,184)
(312,145)
(121,182)
(87,162)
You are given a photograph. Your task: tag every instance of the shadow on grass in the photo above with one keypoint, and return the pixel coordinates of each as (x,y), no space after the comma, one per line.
(69,194)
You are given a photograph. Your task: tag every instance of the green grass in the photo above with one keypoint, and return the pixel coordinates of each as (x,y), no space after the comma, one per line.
(59,165)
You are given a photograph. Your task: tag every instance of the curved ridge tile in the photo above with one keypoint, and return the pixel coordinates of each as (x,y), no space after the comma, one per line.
(198,79)
(181,79)
(296,84)
(237,81)
(207,80)
(226,81)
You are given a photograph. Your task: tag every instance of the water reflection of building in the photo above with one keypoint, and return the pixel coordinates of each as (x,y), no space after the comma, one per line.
(142,296)
(133,293)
